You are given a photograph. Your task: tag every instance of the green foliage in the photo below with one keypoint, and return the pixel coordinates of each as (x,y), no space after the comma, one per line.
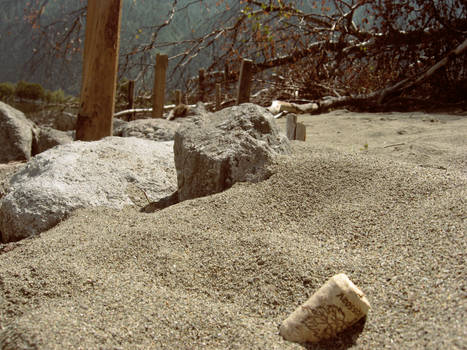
(31,91)
(6,90)
(57,96)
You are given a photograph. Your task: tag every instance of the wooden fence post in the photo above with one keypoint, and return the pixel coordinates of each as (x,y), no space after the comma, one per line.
(201,75)
(226,73)
(291,126)
(295,131)
(300,132)
(218,96)
(131,94)
(158,96)
(100,64)
(244,84)
(178,97)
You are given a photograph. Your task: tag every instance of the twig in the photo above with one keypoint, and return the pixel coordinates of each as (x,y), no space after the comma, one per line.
(394,145)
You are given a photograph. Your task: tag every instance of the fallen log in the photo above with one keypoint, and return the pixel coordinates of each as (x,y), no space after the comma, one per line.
(145,110)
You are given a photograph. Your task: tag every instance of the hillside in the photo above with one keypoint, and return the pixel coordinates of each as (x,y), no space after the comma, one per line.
(20,39)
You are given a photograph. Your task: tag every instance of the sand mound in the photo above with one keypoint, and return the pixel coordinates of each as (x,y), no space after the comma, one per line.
(222,272)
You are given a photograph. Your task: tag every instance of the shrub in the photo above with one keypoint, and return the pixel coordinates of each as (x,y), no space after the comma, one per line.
(6,90)
(31,91)
(56,96)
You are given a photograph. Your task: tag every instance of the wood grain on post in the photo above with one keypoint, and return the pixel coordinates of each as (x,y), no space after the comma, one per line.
(291,126)
(178,97)
(100,64)
(218,96)
(244,85)
(201,75)
(158,96)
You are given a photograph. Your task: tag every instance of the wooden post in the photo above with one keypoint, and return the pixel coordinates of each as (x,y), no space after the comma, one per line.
(291,126)
(100,64)
(158,95)
(131,94)
(218,96)
(226,73)
(178,97)
(244,85)
(131,97)
(201,74)
(300,132)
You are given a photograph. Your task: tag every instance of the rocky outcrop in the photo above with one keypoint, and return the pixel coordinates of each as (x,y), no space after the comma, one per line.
(235,144)
(64,121)
(112,172)
(151,129)
(47,138)
(16,134)
(158,129)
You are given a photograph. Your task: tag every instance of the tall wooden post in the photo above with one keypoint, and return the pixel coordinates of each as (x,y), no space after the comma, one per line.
(218,96)
(100,64)
(162,61)
(244,84)
(201,75)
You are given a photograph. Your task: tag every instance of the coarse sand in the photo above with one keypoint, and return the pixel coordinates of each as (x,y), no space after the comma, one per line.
(380,197)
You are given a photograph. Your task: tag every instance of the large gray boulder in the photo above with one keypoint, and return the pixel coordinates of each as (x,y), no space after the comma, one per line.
(47,138)
(112,172)
(158,129)
(233,145)
(64,121)
(16,134)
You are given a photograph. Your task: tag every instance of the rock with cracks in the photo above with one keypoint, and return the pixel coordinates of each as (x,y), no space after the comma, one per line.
(112,172)
(233,145)
(16,134)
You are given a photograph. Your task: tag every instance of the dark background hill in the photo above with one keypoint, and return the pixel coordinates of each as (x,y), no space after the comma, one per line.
(20,39)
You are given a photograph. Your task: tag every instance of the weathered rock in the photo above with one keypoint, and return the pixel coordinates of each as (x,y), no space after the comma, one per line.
(47,138)
(183,111)
(151,129)
(235,144)
(112,172)
(16,134)
(158,129)
(64,121)
(117,125)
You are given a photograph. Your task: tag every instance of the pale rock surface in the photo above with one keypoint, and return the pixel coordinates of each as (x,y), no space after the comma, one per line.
(16,134)
(112,172)
(236,144)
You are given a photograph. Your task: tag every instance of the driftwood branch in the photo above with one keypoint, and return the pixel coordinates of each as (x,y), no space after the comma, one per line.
(145,110)
(378,97)
(411,82)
